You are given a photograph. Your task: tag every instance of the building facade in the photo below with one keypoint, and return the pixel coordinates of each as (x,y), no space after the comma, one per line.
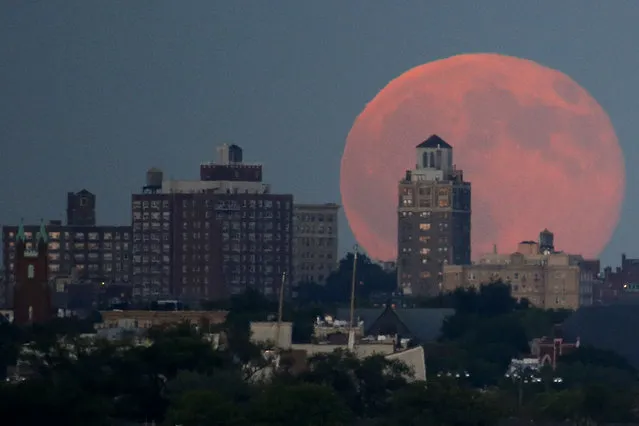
(315,242)
(93,253)
(212,237)
(88,252)
(549,280)
(434,210)
(32,295)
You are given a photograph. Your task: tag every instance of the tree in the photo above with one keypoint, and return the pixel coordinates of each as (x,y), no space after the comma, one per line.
(364,384)
(206,407)
(371,278)
(303,404)
(443,402)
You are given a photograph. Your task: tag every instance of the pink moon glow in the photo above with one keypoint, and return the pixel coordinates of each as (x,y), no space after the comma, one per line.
(538,149)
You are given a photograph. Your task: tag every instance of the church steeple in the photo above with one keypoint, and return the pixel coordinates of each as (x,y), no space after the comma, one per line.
(20,236)
(42,233)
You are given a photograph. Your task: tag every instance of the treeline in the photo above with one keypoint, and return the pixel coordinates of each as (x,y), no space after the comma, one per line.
(183,379)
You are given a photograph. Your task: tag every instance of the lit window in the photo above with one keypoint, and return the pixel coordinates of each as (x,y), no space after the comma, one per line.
(424,226)
(31,272)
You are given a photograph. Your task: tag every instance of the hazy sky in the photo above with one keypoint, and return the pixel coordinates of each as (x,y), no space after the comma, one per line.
(92,93)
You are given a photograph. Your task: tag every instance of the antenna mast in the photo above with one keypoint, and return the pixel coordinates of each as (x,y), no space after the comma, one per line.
(279,311)
(351,332)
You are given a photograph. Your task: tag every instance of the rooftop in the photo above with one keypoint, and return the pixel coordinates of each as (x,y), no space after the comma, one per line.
(434,142)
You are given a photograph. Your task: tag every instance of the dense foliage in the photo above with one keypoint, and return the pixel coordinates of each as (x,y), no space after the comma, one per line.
(182,379)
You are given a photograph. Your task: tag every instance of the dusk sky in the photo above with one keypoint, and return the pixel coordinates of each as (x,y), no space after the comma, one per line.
(92,93)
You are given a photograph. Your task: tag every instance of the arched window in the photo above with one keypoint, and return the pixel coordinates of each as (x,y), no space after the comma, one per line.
(31,272)
(432,160)
(425,160)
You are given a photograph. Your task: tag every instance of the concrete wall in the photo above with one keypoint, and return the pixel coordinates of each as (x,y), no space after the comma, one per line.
(262,332)
(415,359)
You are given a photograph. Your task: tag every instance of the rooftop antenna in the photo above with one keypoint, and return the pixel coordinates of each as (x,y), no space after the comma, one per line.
(280,309)
(351,331)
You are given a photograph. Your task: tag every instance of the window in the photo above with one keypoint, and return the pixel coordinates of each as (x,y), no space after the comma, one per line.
(84,201)
(31,272)
(424,226)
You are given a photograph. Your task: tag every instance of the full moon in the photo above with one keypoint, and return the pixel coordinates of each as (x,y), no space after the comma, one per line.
(538,150)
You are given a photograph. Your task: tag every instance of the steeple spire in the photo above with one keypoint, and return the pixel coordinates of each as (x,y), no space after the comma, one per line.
(42,233)
(20,235)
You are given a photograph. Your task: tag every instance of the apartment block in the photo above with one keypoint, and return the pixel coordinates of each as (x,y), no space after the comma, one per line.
(547,279)
(212,237)
(433,227)
(315,242)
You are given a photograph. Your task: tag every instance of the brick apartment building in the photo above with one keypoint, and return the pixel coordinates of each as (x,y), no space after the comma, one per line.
(208,238)
(315,242)
(94,253)
(433,226)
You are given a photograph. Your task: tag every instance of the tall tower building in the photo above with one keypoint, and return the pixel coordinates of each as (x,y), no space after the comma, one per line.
(32,296)
(433,219)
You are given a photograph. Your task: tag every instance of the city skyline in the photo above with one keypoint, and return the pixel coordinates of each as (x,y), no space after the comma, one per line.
(94,100)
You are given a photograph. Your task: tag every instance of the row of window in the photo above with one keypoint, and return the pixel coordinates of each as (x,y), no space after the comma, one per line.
(314,217)
(312,255)
(138,216)
(319,229)
(54,237)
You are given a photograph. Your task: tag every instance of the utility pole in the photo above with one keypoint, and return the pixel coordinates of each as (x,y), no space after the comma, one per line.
(279,311)
(351,332)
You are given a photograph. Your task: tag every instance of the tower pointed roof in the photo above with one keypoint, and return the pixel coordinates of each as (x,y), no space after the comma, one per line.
(20,236)
(434,142)
(42,233)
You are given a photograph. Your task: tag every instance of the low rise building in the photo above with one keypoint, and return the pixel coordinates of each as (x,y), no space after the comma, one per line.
(298,354)
(148,319)
(546,278)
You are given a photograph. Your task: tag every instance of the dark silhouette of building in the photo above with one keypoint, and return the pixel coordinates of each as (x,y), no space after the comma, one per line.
(206,239)
(32,296)
(619,285)
(546,242)
(81,208)
(230,167)
(434,210)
